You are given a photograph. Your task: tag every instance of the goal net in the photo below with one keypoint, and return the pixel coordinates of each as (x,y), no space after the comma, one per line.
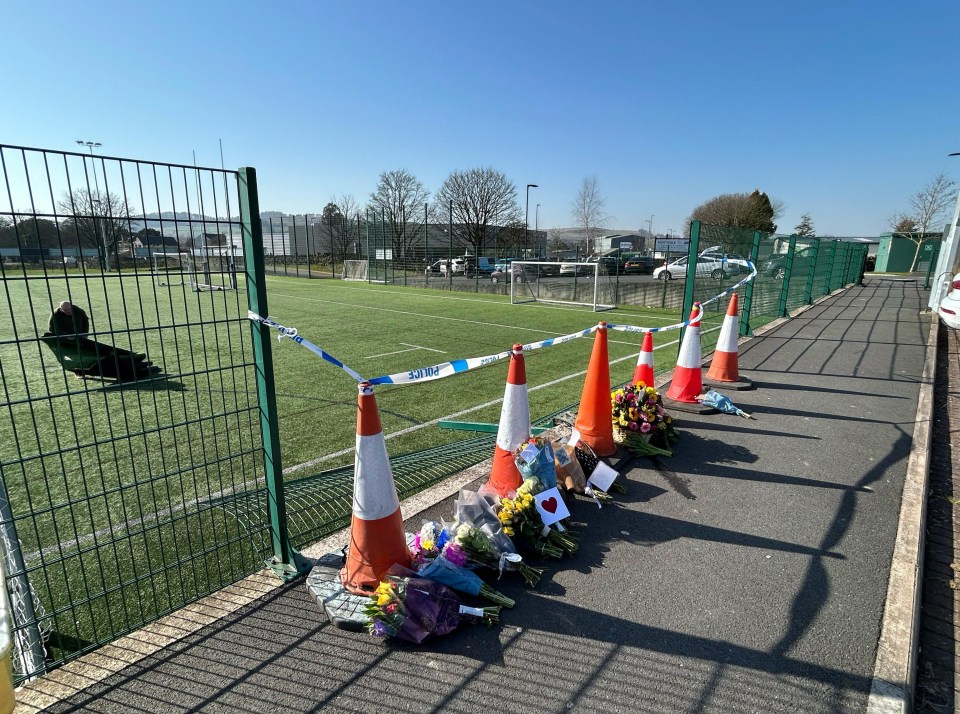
(373,270)
(169,269)
(210,272)
(562,282)
(354,270)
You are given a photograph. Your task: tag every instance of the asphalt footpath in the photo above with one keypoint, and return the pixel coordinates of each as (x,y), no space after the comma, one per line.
(747,573)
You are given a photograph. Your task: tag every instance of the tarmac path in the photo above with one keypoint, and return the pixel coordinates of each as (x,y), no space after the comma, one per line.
(745,574)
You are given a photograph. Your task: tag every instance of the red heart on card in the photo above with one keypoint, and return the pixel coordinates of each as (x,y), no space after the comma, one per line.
(549,504)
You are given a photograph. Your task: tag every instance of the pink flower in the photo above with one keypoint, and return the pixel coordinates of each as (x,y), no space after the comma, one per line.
(632,426)
(391,608)
(646,428)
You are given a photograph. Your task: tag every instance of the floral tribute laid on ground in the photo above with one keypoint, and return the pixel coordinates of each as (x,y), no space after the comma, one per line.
(489,536)
(640,422)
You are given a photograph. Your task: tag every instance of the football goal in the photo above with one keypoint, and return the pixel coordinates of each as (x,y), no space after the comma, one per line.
(212,272)
(563,283)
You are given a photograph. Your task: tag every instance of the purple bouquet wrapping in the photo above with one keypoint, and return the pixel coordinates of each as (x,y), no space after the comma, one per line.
(411,608)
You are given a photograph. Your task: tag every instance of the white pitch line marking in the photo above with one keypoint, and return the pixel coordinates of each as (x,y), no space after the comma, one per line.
(421,347)
(396,352)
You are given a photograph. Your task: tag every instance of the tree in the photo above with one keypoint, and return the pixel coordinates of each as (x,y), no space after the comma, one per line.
(30,232)
(100,220)
(400,198)
(804,229)
(484,204)
(340,226)
(929,209)
(753,211)
(588,209)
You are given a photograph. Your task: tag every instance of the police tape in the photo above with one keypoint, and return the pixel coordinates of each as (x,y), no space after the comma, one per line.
(291,333)
(753,274)
(433,372)
(677,326)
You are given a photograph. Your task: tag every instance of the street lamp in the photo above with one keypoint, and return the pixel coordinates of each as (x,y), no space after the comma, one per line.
(536,224)
(526,213)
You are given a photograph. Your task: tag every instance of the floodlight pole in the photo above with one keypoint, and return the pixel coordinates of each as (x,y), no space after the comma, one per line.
(526,213)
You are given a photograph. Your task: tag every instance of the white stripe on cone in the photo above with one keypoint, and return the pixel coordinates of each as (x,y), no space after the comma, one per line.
(514,417)
(690,349)
(727,341)
(645,358)
(374,491)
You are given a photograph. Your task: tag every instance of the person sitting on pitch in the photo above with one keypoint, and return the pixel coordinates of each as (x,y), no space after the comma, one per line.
(70,324)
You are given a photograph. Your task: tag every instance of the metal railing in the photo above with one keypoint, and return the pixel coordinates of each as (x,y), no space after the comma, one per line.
(124,413)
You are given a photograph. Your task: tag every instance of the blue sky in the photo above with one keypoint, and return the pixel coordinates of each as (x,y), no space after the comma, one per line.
(843,110)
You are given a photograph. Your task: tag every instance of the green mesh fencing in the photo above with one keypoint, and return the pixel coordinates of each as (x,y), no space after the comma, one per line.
(122,418)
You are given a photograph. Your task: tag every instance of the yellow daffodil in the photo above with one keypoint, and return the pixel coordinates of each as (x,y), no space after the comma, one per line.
(383,599)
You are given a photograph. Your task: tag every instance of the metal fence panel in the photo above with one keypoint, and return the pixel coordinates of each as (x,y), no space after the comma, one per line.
(118,432)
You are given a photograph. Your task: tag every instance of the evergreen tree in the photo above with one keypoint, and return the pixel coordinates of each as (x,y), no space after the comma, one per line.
(804,229)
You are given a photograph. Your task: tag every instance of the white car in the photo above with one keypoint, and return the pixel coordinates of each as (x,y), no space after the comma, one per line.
(713,265)
(949,310)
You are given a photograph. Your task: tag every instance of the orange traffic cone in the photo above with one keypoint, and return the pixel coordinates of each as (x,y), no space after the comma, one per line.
(514,427)
(723,368)
(643,374)
(687,381)
(377,538)
(594,419)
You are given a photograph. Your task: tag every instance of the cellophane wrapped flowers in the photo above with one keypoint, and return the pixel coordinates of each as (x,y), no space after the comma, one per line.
(640,422)
(521,519)
(412,609)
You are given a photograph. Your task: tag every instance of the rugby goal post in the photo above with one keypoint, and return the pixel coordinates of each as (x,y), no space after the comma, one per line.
(562,283)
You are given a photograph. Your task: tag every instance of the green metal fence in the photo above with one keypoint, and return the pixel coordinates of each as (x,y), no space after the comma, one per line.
(119,428)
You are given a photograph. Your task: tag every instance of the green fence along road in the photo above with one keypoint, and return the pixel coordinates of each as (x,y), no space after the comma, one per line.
(107,520)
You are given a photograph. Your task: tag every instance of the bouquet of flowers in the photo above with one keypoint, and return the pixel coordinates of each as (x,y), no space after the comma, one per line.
(436,556)
(639,421)
(412,609)
(480,533)
(520,517)
(534,459)
(482,551)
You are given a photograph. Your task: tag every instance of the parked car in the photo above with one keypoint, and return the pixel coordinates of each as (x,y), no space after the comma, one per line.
(712,265)
(639,265)
(517,273)
(775,266)
(949,310)
(574,269)
(481,265)
(459,267)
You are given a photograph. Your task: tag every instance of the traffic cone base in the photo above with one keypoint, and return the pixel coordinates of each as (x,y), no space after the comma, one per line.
(375,545)
(594,420)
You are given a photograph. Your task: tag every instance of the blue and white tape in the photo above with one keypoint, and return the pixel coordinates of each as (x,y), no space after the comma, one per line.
(291,333)
(448,369)
(677,326)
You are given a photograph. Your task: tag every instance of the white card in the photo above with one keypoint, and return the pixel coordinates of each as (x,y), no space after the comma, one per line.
(574,438)
(551,506)
(603,477)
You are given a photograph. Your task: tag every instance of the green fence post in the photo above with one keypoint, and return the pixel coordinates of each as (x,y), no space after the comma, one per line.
(286,562)
(832,257)
(692,251)
(748,291)
(787,278)
(811,274)
(933,264)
